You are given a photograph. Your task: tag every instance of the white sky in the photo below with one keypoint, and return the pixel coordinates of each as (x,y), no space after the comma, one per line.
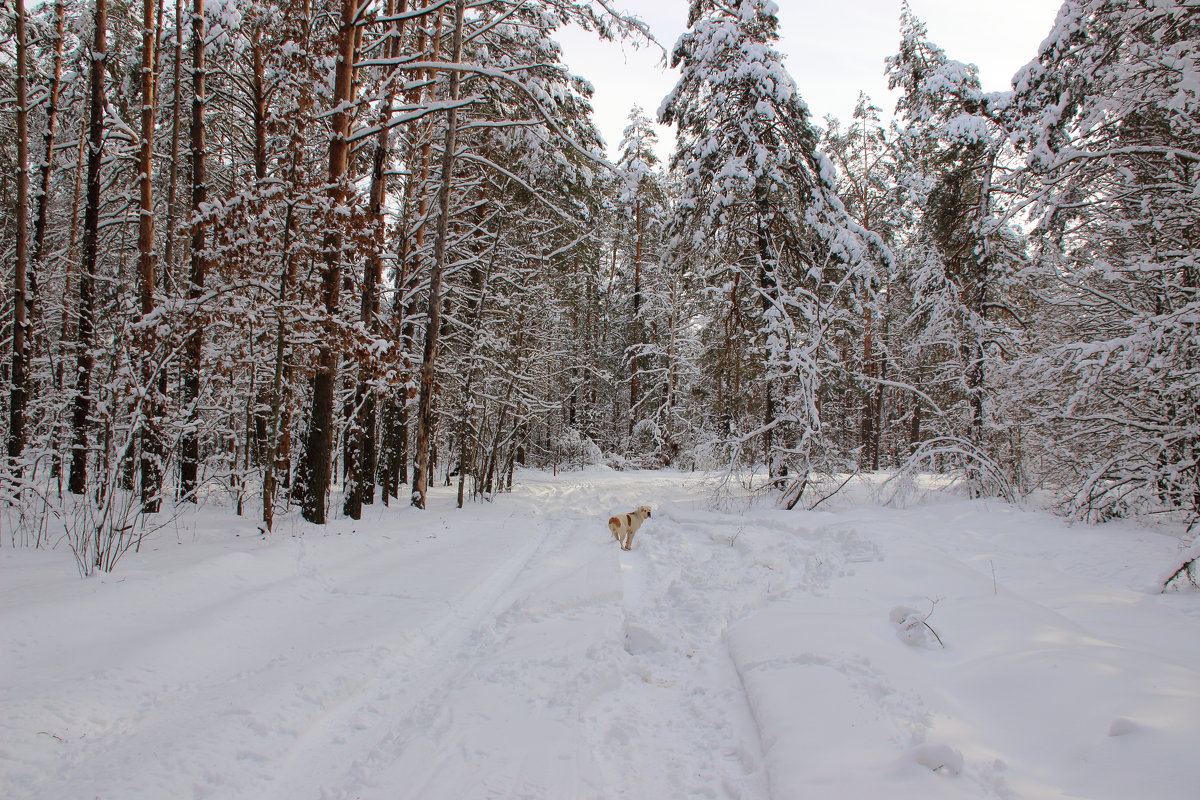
(834,48)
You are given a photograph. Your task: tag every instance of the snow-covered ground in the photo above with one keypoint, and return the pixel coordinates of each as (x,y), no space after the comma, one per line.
(511,650)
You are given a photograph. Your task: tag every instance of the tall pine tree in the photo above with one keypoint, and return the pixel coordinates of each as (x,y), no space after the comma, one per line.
(758,207)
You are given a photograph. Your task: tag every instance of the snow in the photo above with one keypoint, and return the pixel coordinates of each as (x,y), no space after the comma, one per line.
(512,650)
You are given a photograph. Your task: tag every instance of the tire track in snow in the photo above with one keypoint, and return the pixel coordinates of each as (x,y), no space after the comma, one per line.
(523,663)
(242,704)
(692,578)
(507,722)
(339,753)
(510,713)
(284,718)
(679,726)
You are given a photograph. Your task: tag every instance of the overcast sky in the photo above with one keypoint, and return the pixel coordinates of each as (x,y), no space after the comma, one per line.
(834,49)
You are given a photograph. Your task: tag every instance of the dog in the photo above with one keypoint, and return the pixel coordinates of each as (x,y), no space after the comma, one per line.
(624,526)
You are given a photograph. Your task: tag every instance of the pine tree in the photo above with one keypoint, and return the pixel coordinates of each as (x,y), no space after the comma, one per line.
(758,196)
(86,325)
(189,467)
(20,329)
(641,197)
(318,451)
(425,413)
(1108,119)
(957,257)
(152,377)
(865,158)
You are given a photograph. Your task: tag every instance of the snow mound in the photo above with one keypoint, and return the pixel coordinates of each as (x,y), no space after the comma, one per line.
(1122,726)
(913,628)
(940,758)
(639,641)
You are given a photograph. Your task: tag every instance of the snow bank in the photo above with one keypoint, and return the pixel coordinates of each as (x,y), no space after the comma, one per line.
(1050,683)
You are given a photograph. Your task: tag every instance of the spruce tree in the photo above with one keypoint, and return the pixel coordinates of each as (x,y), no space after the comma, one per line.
(758,205)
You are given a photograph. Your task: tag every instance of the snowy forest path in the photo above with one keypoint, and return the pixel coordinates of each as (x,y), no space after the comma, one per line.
(511,650)
(349,744)
(278,660)
(549,696)
(443,654)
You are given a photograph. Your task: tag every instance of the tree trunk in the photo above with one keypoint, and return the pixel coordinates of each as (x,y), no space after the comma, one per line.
(189,467)
(258,89)
(59,430)
(635,361)
(468,433)
(914,431)
(41,213)
(425,420)
(768,285)
(85,333)
(258,96)
(151,459)
(494,452)
(868,437)
(396,434)
(276,450)
(17,402)
(880,396)
(362,457)
(319,444)
(173,181)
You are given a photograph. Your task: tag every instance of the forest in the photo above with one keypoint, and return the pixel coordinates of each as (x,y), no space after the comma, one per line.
(322,254)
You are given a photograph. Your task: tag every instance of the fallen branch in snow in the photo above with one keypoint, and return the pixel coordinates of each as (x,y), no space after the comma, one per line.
(1189,562)
(1186,570)
(910,623)
(924,622)
(969,465)
(841,486)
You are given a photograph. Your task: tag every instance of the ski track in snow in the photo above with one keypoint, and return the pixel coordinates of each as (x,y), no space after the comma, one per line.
(512,650)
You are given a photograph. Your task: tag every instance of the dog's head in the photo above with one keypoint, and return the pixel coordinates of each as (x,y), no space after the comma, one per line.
(644,510)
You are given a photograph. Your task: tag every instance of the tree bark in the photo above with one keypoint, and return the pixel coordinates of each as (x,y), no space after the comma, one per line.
(868,438)
(880,396)
(362,456)
(768,285)
(914,430)
(425,417)
(85,332)
(635,361)
(468,433)
(189,467)
(319,445)
(152,451)
(277,451)
(17,400)
(42,213)
(173,181)
(397,415)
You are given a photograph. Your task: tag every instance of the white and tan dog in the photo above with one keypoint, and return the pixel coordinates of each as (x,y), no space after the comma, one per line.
(624,526)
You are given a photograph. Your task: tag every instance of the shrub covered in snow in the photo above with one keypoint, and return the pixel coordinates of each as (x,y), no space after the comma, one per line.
(574,450)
